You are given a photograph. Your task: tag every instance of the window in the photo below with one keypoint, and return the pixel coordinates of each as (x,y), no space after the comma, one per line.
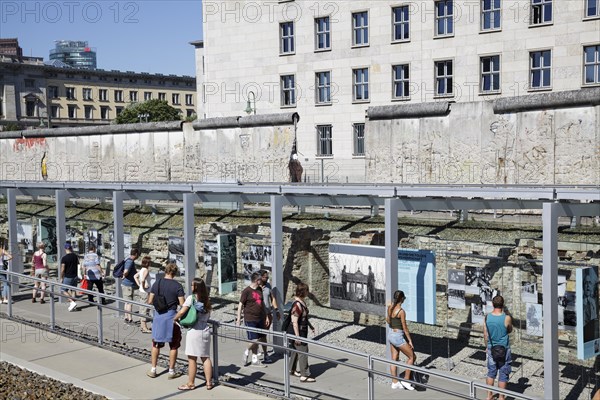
(360,84)
(54,112)
(147,96)
(29,83)
(189,99)
(72,111)
(400,24)
(119,96)
(591,65)
(444,14)
(400,82)
(324,140)
(70,93)
(323,85)
(592,8)
(53,92)
(190,113)
(360,28)
(89,112)
(30,108)
(490,15)
(103,94)
(358,133)
(118,110)
(490,74)
(175,98)
(162,96)
(104,112)
(541,12)
(288,91)
(540,66)
(443,78)
(133,95)
(286,38)
(87,93)
(87,77)
(322,34)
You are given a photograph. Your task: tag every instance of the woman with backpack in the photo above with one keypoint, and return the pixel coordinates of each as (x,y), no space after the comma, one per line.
(197,340)
(396,318)
(300,323)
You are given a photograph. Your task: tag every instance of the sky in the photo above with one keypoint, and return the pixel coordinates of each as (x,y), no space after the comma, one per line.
(141,36)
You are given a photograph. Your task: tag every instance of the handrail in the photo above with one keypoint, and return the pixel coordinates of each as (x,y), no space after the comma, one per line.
(369,358)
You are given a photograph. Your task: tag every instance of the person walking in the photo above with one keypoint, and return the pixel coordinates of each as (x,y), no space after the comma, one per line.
(251,302)
(197,340)
(142,279)
(271,309)
(164,329)
(497,327)
(400,340)
(40,270)
(69,264)
(128,283)
(300,324)
(93,272)
(5,257)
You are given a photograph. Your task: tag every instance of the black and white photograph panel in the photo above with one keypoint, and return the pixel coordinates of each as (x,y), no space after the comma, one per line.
(476,277)
(535,326)
(456,288)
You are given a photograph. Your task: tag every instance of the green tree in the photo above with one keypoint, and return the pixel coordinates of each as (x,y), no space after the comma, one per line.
(157,110)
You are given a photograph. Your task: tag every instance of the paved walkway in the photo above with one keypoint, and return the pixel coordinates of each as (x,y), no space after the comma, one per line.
(97,370)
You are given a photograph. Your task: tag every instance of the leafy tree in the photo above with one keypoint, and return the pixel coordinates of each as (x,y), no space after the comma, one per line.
(157,110)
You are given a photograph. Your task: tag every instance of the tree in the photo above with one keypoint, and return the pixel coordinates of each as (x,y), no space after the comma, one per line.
(156,110)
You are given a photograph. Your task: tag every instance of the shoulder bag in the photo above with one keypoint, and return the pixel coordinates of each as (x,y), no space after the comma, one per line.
(190,318)
(498,351)
(160,302)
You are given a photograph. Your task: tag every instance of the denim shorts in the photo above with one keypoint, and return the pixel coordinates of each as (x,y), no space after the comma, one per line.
(504,370)
(69,281)
(396,338)
(255,324)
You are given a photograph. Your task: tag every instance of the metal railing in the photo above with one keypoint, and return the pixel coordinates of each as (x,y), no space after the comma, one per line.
(368,366)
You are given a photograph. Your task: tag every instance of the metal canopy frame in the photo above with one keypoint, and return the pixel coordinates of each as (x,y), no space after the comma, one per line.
(553,201)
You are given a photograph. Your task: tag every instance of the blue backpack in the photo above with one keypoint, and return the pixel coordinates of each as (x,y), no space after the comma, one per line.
(119,269)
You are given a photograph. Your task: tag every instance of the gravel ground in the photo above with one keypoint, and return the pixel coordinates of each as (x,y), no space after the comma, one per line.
(20,384)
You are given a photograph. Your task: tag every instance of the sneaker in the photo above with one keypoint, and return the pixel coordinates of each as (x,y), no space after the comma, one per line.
(174,375)
(258,364)
(397,385)
(152,374)
(5,301)
(245,358)
(407,385)
(72,306)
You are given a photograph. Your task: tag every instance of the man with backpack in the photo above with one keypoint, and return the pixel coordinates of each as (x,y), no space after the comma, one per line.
(251,301)
(128,284)
(497,327)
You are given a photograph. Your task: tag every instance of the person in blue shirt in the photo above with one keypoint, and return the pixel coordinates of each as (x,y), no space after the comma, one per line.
(128,284)
(497,327)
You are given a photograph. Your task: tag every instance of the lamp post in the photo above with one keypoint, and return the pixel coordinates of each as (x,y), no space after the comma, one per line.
(249,108)
(143,116)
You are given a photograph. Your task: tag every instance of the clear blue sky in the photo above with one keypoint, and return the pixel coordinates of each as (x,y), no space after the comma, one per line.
(142,36)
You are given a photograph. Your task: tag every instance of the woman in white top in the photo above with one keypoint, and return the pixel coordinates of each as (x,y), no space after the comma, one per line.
(93,272)
(142,279)
(5,257)
(197,341)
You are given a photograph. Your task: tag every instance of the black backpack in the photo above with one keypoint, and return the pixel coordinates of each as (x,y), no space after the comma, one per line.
(119,269)
(287,316)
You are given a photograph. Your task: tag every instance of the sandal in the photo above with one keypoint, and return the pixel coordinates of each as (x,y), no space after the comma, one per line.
(187,386)
(307,379)
(209,387)
(146,330)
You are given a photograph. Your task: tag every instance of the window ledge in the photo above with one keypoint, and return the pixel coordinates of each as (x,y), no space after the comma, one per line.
(360,101)
(443,36)
(358,46)
(324,104)
(292,53)
(491,30)
(490,93)
(586,85)
(400,41)
(359,156)
(443,96)
(541,24)
(400,98)
(591,18)
(290,106)
(323,156)
(322,50)
(544,89)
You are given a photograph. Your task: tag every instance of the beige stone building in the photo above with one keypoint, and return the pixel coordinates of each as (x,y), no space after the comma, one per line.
(34,94)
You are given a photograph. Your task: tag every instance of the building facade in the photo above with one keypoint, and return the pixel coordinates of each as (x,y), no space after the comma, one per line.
(333,61)
(35,94)
(77,54)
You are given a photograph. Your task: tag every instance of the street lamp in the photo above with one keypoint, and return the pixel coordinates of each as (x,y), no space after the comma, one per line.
(249,108)
(143,116)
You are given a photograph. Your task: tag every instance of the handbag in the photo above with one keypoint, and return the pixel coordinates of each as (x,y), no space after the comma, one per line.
(160,302)
(190,317)
(84,285)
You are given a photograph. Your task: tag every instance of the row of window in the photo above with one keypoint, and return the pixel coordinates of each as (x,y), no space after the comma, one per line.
(53,93)
(490,20)
(88,111)
(30,83)
(325,140)
(540,74)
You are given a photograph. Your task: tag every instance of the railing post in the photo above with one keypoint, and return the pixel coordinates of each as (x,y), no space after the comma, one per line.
(472,390)
(215,343)
(370,380)
(52,307)
(9,280)
(100,325)
(286,367)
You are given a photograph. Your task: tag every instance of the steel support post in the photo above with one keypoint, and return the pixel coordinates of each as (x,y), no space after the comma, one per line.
(391,253)
(16,264)
(119,240)
(550,214)
(189,240)
(61,229)
(277,260)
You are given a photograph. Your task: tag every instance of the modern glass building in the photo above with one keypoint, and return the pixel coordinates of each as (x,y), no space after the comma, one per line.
(74,53)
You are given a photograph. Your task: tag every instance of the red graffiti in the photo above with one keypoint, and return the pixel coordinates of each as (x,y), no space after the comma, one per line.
(28,143)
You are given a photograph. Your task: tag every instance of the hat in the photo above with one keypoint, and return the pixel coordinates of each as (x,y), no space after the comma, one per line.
(68,246)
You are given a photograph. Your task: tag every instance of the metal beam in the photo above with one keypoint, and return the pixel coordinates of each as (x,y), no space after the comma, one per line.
(277,256)
(119,240)
(391,253)
(61,229)
(17,261)
(550,214)
(189,240)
